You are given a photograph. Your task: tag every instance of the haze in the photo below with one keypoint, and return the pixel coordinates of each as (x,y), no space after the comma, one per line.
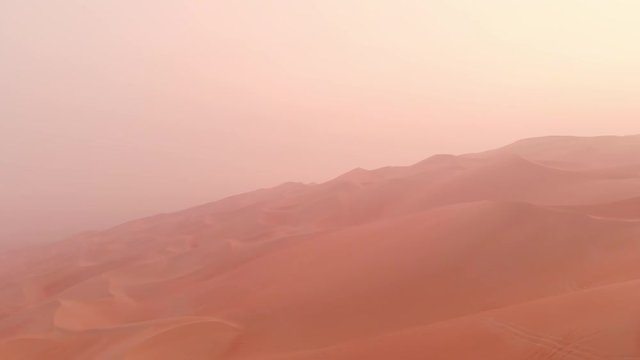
(111,110)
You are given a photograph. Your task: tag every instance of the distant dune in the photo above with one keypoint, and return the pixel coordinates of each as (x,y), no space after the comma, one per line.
(529,251)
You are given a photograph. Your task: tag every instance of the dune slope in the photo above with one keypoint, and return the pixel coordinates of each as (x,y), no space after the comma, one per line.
(529,251)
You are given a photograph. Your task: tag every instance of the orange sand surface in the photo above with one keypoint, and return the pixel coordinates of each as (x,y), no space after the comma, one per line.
(530,251)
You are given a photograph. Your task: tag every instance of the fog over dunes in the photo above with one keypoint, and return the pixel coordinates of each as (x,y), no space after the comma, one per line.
(528,251)
(116,110)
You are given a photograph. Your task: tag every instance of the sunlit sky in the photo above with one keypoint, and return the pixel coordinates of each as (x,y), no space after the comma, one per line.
(111,110)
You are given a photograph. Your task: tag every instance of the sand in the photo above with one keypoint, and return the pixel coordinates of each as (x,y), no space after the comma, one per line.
(530,251)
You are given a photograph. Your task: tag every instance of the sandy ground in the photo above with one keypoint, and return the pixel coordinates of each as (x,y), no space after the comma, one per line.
(531,251)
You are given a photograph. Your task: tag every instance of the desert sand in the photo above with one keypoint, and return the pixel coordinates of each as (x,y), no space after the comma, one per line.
(529,251)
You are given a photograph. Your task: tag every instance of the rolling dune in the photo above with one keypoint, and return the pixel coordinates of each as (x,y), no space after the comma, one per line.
(529,251)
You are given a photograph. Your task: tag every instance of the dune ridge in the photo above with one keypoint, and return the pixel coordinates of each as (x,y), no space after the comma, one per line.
(528,251)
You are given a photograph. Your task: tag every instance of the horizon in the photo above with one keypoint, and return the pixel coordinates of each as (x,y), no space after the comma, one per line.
(319,179)
(316,183)
(113,111)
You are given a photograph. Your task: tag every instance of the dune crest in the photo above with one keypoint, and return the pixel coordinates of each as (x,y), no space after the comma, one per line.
(529,251)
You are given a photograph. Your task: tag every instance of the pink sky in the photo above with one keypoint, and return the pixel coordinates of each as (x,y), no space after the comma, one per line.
(111,110)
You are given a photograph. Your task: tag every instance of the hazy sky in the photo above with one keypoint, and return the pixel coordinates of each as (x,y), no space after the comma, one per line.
(114,109)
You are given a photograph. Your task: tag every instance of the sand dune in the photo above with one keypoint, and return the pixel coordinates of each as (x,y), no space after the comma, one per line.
(628,209)
(530,251)
(201,340)
(441,264)
(578,152)
(572,326)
